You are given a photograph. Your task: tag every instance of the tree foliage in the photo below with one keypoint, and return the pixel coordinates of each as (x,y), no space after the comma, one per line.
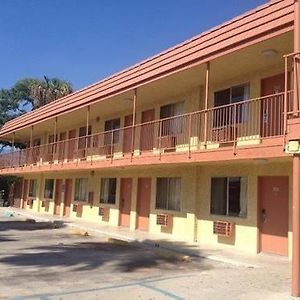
(31,93)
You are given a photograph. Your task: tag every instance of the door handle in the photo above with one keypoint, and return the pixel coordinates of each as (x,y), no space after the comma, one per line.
(264,215)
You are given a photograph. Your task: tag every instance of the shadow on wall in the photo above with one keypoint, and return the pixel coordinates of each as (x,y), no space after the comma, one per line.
(85,256)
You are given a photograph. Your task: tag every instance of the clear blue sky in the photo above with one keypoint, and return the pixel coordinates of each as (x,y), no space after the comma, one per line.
(85,40)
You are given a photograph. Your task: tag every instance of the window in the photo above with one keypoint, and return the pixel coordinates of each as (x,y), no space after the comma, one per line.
(83,140)
(229,196)
(32,188)
(81,189)
(49,186)
(114,135)
(168,193)
(171,126)
(231,95)
(108,190)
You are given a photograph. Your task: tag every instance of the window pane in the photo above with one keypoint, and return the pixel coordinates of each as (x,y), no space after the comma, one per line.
(81,187)
(243,197)
(174,193)
(222,97)
(168,193)
(161,193)
(108,190)
(234,196)
(112,125)
(112,190)
(32,188)
(218,203)
(48,191)
(166,111)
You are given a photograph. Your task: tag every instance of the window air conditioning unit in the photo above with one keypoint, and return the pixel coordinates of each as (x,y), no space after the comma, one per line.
(104,213)
(164,220)
(223,228)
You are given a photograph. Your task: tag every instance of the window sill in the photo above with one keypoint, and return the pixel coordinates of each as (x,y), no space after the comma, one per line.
(229,217)
(110,205)
(168,212)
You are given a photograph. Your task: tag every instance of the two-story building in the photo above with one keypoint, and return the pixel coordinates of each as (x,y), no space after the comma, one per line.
(199,142)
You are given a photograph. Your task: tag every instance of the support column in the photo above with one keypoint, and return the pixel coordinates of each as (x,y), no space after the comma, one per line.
(296,163)
(12,150)
(133,122)
(54,139)
(296,227)
(87,127)
(31,137)
(297,57)
(207,79)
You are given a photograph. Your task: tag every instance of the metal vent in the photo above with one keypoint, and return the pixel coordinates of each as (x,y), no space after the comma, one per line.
(223,228)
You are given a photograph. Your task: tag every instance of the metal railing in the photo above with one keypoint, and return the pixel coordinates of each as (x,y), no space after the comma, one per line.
(231,125)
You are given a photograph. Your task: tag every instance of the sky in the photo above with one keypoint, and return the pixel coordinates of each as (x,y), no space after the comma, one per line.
(83,41)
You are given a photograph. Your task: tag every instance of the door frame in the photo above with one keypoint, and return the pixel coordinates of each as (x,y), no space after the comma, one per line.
(259,206)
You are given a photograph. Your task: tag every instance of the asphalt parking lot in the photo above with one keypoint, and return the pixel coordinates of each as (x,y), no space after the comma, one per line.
(39,261)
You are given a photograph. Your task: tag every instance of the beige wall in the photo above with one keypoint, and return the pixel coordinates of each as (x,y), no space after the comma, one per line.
(193,221)
(246,231)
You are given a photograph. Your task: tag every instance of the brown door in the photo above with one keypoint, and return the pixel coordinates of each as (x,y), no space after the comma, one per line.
(62,146)
(25,193)
(273,214)
(127,137)
(125,201)
(147,130)
(57,196)
(143,203)
(67,197)
(71,144)
(272,107)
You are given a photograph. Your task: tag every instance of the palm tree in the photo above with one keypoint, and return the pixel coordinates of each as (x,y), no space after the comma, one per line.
(48,90)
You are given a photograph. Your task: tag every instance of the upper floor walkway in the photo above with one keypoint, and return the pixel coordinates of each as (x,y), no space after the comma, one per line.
(247,129)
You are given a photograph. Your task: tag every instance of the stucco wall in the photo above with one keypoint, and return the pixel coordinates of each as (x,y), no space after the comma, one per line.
(193,221)
(246,229)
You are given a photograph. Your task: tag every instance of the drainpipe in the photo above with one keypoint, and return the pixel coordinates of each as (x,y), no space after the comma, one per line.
(296,167)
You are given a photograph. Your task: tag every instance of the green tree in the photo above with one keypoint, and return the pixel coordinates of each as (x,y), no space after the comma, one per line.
(40,92)
(30,93)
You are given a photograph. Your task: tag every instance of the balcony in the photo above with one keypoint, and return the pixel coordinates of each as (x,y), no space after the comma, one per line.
(234,126)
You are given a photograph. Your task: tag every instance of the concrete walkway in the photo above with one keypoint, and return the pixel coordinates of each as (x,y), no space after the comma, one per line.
(163,241)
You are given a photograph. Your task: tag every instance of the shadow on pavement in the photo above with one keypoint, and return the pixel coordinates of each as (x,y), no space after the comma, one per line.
(29,225)
(127,257)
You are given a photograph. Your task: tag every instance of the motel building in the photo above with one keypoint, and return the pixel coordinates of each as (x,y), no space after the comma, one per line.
(199,143)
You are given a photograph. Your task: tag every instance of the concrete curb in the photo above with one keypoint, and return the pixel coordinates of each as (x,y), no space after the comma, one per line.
(159,248)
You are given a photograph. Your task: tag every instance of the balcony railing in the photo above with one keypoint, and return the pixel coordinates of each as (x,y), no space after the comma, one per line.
(232,125)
